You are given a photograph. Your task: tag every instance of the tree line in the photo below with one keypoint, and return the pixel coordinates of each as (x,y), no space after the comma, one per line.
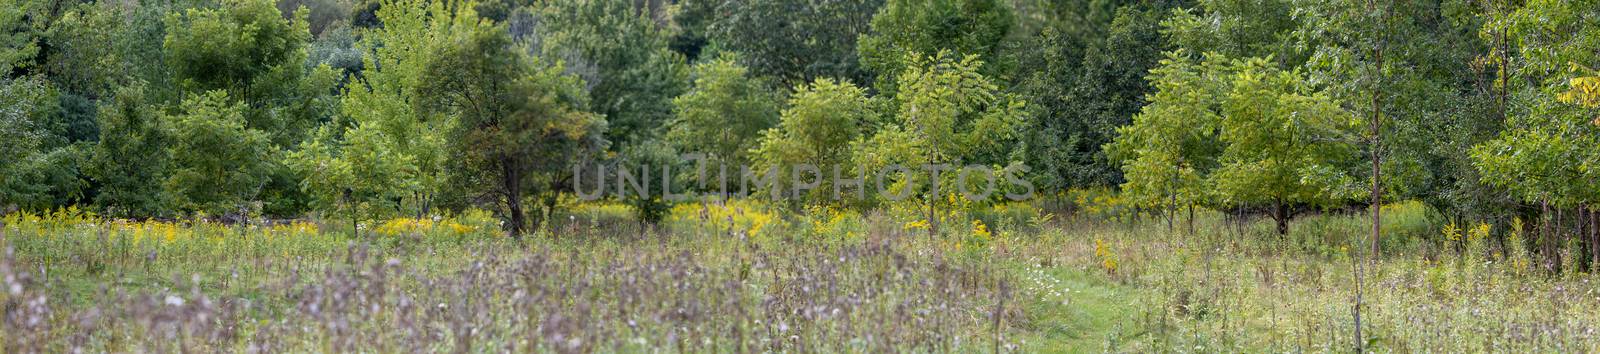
(1484,109)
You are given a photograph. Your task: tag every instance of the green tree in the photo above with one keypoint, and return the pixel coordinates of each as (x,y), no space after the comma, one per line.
(1083,75)
(219,164)
(1546,154)
(1401,65)
(905,31)
(796,41)
(724,112)
(949,114)
(1285,143)
(691,26)
(1238,132)
(230,47)
(41,165)
(248,48)
(130,159)
(521,121)
(623,56)
(821,122)
(1237,29)
(1171,147)
(651,162)
(383,156)
(18,44)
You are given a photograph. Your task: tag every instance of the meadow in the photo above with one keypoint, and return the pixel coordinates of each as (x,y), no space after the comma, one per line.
(745,276)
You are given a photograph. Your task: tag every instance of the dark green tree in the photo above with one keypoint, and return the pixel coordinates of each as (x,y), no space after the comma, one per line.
(904,31)
(130,160)
(1083,75)
(219,163)
(797,41)
(622,54)
(521,120)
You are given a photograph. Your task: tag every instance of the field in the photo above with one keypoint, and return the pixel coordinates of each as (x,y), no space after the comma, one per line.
(747,277)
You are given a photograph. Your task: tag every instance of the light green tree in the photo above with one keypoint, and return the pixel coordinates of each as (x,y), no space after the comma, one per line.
(723,113)
(1238,132)
(948,114)
(819,125)
(382,156)
(1284,143)
(1171,146)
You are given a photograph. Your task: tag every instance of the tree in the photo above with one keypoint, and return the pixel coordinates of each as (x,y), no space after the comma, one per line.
(905,31)
(40,170)
(821,122)
(231,46)
(622,56)
(724,112)
(1415,66)
(1285,143)
(796,41)
(1171,147)
(691,26)
(219,163)
(130,159)
(1237,132)
(83,59)
(249,49)
(1237,29)
(949,114)
(382,150)
(650,161)
(521,121)
(18,45)
(1545,156)
(336,47)
(1083,75)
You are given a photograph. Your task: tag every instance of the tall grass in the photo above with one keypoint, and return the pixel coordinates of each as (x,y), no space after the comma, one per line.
(743,276)
(179,286)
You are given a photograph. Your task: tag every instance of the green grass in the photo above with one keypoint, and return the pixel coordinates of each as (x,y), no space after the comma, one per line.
(757,277)
(1075,310)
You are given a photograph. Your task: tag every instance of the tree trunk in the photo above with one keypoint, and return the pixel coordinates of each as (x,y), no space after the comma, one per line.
(933,218)
(1544,233)
(1280,214)
(1191,219)
(1594,239)
(511,181)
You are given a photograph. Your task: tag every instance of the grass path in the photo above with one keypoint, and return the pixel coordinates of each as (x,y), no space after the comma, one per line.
(1075,310)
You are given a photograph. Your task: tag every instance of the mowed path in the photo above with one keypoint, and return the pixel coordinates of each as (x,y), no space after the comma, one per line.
(1075,310)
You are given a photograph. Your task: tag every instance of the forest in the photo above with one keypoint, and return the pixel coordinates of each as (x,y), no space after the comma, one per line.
(1173,175)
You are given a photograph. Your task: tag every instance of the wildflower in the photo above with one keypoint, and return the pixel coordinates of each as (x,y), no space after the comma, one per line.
(1478,232)
(1451,232)
(980,230)
(918,224)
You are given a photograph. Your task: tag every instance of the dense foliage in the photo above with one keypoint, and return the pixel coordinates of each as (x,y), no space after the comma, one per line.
(376,109)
